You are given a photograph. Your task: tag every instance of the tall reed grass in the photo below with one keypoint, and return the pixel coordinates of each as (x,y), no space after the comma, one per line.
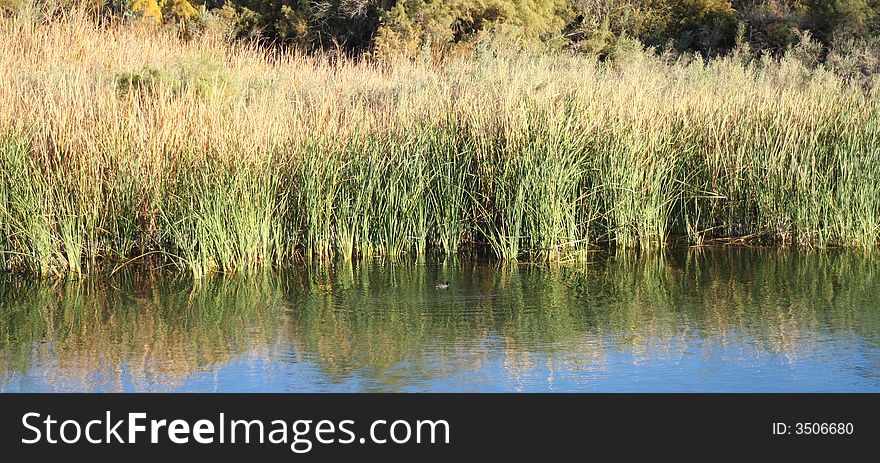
(119,142)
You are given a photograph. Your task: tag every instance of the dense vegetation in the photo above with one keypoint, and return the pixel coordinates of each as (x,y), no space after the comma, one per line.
(443,28)
(415,27)
(123,141)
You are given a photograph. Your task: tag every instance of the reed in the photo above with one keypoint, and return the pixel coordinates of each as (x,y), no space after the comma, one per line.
(120,141)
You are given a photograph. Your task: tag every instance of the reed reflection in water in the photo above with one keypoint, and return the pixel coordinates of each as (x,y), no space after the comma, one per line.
(717,320)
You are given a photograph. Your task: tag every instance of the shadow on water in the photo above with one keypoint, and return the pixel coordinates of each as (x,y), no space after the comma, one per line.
(734,319)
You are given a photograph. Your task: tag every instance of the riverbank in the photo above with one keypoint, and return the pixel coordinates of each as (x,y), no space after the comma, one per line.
(120,143)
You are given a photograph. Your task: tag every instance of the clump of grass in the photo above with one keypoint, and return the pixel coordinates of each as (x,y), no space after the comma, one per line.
(537,186)
(450,191)
(51,221)
(319,180)
(372,197)
(639,170)
(225,218)
(147,79)
(203,77)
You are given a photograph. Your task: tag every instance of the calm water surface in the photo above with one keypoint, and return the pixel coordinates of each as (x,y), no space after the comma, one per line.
(720,320)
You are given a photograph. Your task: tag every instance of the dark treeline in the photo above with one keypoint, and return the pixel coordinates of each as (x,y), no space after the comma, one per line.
(452,27)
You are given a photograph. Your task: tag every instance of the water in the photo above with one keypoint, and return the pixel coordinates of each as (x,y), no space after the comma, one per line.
(718,320)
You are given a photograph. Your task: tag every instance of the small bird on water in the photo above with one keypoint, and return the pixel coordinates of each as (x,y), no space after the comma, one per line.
(443,285)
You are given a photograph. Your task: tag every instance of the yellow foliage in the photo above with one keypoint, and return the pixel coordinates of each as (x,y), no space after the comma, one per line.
(412,25)
(157,10)
(147,9)
(180,9)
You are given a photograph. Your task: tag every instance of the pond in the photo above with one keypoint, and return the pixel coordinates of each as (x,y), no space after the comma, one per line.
(732,319)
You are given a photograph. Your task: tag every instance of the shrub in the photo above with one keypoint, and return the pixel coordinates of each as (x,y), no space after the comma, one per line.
(157,11)
(410,26)
(772,25)
(202,77)
(832,20)
(312,25)
(707,26)
(856,60)
(147,79)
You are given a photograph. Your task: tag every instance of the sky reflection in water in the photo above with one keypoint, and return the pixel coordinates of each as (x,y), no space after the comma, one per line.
(718,320)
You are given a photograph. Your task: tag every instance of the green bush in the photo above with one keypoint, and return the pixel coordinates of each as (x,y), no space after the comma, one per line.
(147,79)
(411,26)
(349,25)
(438,28)
(203,77)
(832,20)
(707,26)
(772,25)
(856,60)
